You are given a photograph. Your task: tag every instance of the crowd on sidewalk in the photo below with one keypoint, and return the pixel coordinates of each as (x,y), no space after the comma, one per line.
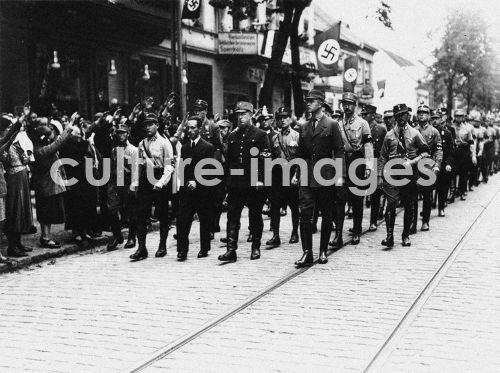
(462,152)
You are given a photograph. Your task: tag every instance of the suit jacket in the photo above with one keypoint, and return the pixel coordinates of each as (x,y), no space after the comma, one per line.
(203,149)
(324,142)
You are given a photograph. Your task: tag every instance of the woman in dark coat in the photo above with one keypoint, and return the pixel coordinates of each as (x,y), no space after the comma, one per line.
(48,191)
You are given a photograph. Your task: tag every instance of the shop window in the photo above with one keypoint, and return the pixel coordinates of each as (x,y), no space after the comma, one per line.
(199,84)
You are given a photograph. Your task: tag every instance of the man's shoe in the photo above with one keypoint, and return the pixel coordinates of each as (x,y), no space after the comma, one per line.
(15,252)
(161,252)
(373,227)
(140,254)
(294,238)
(336,243)
(441,213)
(306,260)
(202,254)
(355,239)
(322,257)
(425,227)
(182,255)
(130,243)
(275,241)
(114,242)
(462,197)
(49,244)
(255,254)
(406,241)
(228,256)
(388,241)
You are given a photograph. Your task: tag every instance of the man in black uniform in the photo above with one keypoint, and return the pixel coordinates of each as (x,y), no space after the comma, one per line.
(193,194)
(319,139)
(247,142)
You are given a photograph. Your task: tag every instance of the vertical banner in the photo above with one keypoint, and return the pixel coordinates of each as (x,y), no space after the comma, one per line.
(191,9)
(327,48)
(350,73)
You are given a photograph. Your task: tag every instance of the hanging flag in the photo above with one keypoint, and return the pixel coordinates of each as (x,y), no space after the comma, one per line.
(350,73)
(381,88)
(191,9)
(327,50)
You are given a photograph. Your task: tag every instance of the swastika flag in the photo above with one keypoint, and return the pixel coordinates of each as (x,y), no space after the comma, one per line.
(191,9)
(327,50)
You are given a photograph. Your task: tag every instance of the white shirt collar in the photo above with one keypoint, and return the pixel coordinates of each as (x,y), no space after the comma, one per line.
(196,140)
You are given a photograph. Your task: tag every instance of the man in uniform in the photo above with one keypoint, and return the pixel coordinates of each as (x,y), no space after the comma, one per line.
(465,151)
(288,142)
(193,194)
(447,164)
(319,139)
(433,140)
(389,120)
(357,138)
(406,144)
(245,143)
(480,142)
(156,153)
(220,190)
(378,134)
(122,198)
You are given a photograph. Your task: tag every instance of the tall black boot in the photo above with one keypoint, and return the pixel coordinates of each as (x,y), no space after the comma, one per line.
(142,251)
(337,241)
(162,246)
(306,239)
(414,217)
(390,219)
(232,244)
(323,243)
(131,236)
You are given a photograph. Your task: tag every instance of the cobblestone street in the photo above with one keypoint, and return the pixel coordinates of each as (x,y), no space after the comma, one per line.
(367,309)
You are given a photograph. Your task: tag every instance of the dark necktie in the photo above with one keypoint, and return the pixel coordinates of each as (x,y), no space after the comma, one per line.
(192,145)
(313,122)
(402,138)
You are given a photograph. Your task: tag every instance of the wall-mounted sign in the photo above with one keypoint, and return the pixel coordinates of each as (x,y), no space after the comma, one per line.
(237,43)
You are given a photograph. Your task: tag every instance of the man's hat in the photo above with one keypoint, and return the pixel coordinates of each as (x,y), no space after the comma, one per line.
(435,114)
(400,108)
(315,94)
(327,108)
(224,123)
(264,114)
(368,109)
(338,113)
(122,128)
(459,113)
(151,118)
(243,106)
(200,104)
(349,97)
(424,108)
(388,114)
(284,112)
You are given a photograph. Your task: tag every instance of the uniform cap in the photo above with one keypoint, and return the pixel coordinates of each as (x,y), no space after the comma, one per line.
(151,118)
(284,112)
(400,108)
(200,104)
(435,114)
(122,128)
(349,97)
(460,112)
(224,123)
(368,109)
(388,114)
(243,106)
(316,94)
(423,109)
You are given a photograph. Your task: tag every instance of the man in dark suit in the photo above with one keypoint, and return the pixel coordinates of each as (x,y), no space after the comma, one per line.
(194,196)
(245,143)
(319,139)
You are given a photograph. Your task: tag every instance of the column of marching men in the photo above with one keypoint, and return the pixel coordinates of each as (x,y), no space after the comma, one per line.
(461,152)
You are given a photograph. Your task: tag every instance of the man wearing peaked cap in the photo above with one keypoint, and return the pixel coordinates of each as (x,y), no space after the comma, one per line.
(319,139)
(358,144)
(406,144)
(123,197)
(209,132)
(244,144)
(327,109)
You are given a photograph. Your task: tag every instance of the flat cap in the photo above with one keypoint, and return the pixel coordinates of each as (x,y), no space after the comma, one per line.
(200,104)
(242,106)
(400,108)
(368,109)
(349,97)
(284,112)
(315,94)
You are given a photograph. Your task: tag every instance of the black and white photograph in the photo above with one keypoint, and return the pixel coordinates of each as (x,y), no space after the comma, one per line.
(249,186)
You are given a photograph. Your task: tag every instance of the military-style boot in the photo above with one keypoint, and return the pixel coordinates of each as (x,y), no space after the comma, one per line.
(232,245)
(162,246)
(142,251)
(306,239)
(337,241)
(390,219)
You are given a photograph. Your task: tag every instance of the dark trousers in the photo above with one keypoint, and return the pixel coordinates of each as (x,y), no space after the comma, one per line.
(463,162)
(406,194)
(283,196)
(191,202)
(146,197)
(355,200)
(120,201)
(426,203)
(237,199)
(443,186)
(375,205)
